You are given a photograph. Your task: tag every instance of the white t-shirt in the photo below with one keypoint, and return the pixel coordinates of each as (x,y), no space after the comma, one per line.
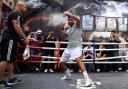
(86,49)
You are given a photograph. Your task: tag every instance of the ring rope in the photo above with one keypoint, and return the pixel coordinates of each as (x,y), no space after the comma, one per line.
(49,48)
(31,61)
(98,60)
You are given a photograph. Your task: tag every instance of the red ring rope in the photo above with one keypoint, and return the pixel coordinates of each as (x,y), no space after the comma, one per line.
(58,57)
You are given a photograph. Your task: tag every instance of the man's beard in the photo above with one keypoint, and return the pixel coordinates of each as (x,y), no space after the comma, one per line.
(71,24)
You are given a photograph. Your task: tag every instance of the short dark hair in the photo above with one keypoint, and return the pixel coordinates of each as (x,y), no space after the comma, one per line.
(70,18)
(113,31)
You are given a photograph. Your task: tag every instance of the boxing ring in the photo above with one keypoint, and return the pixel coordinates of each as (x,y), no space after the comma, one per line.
(53,81)
(94,60)
(107,80)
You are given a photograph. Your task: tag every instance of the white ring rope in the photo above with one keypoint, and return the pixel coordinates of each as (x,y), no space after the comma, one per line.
(97,60)
(82,49)
(106,58)
(116,62)
(62,42)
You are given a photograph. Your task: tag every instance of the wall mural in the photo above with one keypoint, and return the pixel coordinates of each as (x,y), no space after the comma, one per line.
(106,14)
(98,8)
(100,13)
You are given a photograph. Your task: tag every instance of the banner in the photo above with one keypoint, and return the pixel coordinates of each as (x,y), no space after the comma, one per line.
(100,23)
(88,22)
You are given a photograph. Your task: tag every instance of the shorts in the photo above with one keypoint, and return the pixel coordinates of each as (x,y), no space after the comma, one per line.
(71,54)
(8,50)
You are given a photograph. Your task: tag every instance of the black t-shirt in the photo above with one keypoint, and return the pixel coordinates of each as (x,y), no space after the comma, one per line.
(102,52)
(10,33)
(50,44)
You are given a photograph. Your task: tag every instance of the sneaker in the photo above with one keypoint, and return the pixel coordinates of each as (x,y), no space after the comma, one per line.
(14,81)
(71,71)
(46,70)
(66,77)
(51,70)
(88,82)
(98,70)
(3,85)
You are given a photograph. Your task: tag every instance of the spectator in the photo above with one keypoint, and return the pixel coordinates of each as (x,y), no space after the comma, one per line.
(65,39)
(88,54)
(114,39)
(37,41)
(50,37)
(101,54)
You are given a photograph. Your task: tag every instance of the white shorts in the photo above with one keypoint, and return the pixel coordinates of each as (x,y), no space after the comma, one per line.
(71,54)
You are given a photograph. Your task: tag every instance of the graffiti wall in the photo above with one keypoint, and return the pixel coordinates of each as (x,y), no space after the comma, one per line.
(97,7)
(97,17)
